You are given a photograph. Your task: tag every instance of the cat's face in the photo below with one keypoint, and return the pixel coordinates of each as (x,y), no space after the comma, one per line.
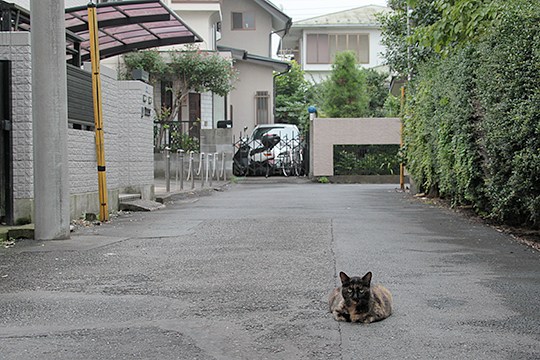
(355,288)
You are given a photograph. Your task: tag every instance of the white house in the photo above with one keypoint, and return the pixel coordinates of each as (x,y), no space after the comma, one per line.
(241,30)
(314,42)
(246,32)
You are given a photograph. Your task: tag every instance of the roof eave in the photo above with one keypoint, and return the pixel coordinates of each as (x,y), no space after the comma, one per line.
(351,25)
(243,55)
(281,22)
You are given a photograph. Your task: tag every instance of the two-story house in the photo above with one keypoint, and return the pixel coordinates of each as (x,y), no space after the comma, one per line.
(246,32)
(314,42)
(241,30)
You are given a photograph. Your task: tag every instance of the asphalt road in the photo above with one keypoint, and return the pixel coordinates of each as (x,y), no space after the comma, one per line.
(245,274)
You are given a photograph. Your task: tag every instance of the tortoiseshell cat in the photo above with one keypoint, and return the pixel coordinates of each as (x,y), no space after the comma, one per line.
(357,301)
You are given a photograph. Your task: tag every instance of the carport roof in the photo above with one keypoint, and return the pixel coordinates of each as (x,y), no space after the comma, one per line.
(125,26)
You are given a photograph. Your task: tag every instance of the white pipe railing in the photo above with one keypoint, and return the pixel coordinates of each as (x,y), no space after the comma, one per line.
(208,169)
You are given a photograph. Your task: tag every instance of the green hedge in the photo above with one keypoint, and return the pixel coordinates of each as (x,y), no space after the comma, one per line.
(366,159)
(472,124)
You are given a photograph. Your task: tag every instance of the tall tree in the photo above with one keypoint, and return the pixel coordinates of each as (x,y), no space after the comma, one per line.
(346,90)
(402,53)
(418,30)
(460,22)
(291,101)
(378,91)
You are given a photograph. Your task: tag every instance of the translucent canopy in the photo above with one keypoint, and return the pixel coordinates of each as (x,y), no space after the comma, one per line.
(126,26)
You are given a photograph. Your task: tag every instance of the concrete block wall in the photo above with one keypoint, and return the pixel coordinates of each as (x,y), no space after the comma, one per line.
(327,132)
(15,47)
(128,138)
(136,138)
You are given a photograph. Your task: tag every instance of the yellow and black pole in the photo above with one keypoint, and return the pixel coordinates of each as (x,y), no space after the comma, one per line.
(98,114)
(401,165)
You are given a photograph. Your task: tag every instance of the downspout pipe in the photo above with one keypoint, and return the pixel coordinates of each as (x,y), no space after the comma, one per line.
(270,40)
(285,31)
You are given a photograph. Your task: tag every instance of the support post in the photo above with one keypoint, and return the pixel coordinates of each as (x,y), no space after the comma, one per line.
(98,112)
(181,155)
(401,166)
(202,166)
(167,169)
(192,169)
(49,116)
(209,172)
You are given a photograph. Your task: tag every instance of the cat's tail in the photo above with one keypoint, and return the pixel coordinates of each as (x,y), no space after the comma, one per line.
(334,299)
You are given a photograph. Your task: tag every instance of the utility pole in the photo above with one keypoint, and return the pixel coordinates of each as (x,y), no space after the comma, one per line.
(49,116)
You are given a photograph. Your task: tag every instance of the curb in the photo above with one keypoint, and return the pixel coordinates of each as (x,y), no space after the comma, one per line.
(176,195)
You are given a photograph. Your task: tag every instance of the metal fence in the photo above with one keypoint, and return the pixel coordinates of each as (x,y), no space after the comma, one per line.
(271,155)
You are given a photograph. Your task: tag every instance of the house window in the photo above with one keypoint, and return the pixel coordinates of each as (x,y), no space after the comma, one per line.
(261,107)
(322,48)
(243,21)
(317,49)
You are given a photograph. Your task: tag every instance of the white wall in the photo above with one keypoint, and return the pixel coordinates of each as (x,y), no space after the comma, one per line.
(207,111)
(254,41)
(199,20)
(254,78)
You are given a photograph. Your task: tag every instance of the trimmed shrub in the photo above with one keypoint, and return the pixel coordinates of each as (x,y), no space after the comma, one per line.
(366,159)
(472,121)
(509,91)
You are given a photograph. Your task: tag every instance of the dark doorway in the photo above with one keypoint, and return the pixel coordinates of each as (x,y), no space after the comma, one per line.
(195,115)
(6,207)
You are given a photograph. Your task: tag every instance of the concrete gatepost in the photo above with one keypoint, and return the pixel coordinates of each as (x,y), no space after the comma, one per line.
(49,114)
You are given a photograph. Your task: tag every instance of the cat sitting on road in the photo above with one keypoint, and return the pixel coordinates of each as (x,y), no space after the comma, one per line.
(357,301)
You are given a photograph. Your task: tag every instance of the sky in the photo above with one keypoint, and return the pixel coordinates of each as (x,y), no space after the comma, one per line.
(304,9)
(297,9)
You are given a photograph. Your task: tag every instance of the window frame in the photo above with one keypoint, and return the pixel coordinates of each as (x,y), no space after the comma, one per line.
(262,107)
(243,14)
(321,48)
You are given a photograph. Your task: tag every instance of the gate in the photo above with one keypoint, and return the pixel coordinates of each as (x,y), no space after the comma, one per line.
(271,155)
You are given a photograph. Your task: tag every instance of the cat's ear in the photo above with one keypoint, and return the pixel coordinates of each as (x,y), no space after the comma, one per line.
(344,277)
(367,278)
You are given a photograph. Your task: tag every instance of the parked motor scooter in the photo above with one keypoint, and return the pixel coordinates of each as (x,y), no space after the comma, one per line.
(241,158)
(262,157)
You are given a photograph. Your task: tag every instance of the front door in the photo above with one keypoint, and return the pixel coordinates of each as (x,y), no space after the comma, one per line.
(194,115)
(6,212)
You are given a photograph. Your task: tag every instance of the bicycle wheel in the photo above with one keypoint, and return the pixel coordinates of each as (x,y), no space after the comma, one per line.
(286,164)
(297,165)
